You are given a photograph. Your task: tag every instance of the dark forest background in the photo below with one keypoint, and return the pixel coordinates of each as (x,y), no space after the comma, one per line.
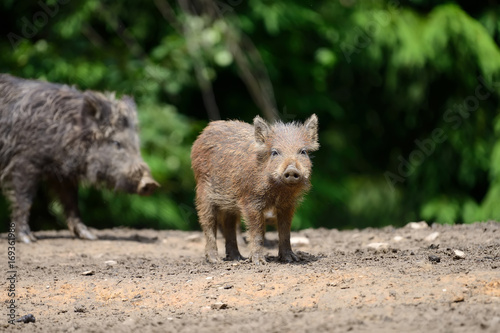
(407,95)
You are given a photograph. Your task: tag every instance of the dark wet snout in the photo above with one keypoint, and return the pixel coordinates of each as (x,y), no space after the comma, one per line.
(292,175)
(147,185)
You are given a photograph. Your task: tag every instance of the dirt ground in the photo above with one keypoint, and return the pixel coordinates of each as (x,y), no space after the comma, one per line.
(372,280)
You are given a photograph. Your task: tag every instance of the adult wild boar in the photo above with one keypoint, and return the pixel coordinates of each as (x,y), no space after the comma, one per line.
(56,133)
(259,172)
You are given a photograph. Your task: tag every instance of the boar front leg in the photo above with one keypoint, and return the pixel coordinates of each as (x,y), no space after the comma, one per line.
(20,188)
(256,223)
(67,191)
(285,253)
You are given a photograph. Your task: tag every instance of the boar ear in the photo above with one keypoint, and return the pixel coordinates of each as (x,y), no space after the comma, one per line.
(261,130)
(129,101)
(96,106)
(311,126)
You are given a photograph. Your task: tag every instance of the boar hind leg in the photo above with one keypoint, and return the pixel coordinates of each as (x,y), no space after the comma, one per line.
(207,214)
(229,222)
(209,225)
(20,190)
(67,192)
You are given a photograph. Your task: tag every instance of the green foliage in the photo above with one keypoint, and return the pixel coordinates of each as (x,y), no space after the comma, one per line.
(383,77)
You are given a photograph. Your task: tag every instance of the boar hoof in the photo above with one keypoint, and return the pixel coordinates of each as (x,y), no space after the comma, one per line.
(258,258)
(234,256)
(26,238)
(213,258)
(32,237)
(81,231)
(288,257)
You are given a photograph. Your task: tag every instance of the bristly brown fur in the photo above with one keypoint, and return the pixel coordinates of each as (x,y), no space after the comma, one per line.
(244,170)
(55,132)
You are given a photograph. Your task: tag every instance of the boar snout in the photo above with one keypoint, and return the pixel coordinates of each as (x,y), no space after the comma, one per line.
(147,185)
(292,175)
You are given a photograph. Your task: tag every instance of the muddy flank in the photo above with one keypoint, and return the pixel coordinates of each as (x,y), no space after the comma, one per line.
(374,280)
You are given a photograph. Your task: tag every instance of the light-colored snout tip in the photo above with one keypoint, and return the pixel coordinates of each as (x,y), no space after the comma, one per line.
(147,186)
(292,176)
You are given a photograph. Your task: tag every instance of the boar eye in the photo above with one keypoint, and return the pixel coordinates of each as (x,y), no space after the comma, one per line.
(303,152)
(274,152)
(117,144)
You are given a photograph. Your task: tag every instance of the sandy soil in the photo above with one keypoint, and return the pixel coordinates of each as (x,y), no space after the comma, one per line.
(158,281)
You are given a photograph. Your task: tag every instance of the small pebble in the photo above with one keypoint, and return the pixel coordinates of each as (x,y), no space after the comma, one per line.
(378,246)
(80,308)
(458,254)
(434,258)
(458,299)
(29,318)
(432,237)
(219,306)
(417,225)
(110,263)
(193,238)
(398,238)
(88,273)
(299,241)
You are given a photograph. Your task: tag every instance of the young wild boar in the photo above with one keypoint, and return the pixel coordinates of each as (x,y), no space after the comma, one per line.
(59,134)
(259,172)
